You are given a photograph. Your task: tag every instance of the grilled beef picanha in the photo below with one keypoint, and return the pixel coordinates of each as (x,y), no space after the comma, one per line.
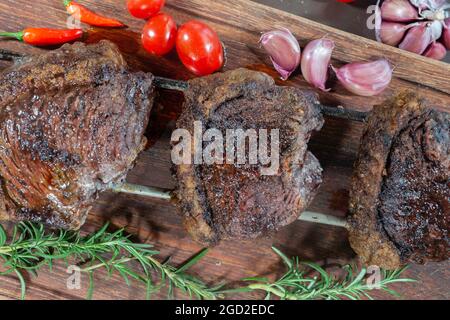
(72,123)
(400,196)
(229,201)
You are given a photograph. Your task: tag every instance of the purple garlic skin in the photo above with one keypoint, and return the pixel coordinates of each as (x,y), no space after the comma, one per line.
(392,33)
(446,33)
(284,51)
(398,11)
(436,51)
(316,62)
(417,39)
(365,78)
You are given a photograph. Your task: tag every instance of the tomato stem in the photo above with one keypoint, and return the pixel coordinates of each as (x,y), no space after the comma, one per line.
(67,2)
(15,35)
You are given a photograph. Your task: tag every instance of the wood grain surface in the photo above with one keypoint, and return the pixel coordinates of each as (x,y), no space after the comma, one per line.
(239,24)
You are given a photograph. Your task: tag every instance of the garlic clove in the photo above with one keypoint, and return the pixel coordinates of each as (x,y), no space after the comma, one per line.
(316,61)
(365,78)
(284,51)
(392,33)
(398,11)
(436,51)
(417,39)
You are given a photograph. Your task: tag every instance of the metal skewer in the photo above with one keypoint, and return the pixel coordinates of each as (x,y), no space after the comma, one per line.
(179,85)
(308,216)
(143,191)
(10,56)
(339,112)
(165,83)
(316,217)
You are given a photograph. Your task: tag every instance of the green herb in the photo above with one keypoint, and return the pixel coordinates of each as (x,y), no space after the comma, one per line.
(296,285)
(32,247)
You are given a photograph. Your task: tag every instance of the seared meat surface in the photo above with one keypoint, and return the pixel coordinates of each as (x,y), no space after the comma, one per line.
(71,125)
(229,201)
(400,197)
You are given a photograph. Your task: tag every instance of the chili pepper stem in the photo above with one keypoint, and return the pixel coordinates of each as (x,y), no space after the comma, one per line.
(15,35)
(67,2)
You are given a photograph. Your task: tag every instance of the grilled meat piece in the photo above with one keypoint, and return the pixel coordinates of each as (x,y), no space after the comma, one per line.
(71,125)
(400,197)
(227,201)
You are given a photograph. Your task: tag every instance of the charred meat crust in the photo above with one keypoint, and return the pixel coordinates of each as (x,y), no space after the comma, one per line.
(72,123)
(237,202)
(399,200)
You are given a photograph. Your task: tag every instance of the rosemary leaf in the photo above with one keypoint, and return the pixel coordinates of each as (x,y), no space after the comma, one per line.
(22,284)
(31,247)
(294,285)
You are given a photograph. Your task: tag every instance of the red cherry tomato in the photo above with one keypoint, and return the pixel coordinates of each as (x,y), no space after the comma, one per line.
(144,9)
(199,48)
(159,34)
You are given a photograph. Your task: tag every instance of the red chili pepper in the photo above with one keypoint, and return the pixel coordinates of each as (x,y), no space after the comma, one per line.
(87,16)
(44,36)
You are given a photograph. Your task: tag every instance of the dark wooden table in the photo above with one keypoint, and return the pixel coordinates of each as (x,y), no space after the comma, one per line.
(239,24)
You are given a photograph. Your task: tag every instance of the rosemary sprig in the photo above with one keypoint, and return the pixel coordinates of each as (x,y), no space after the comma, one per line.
(296,285)
(32,247)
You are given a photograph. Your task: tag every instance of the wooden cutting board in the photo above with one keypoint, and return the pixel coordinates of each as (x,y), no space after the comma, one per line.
(239,24)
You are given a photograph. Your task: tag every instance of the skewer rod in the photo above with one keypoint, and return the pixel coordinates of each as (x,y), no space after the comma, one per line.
(9,55)
(343,113)
(171,84)
(308,216)
(180,85)
(321,218)
(143,191)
